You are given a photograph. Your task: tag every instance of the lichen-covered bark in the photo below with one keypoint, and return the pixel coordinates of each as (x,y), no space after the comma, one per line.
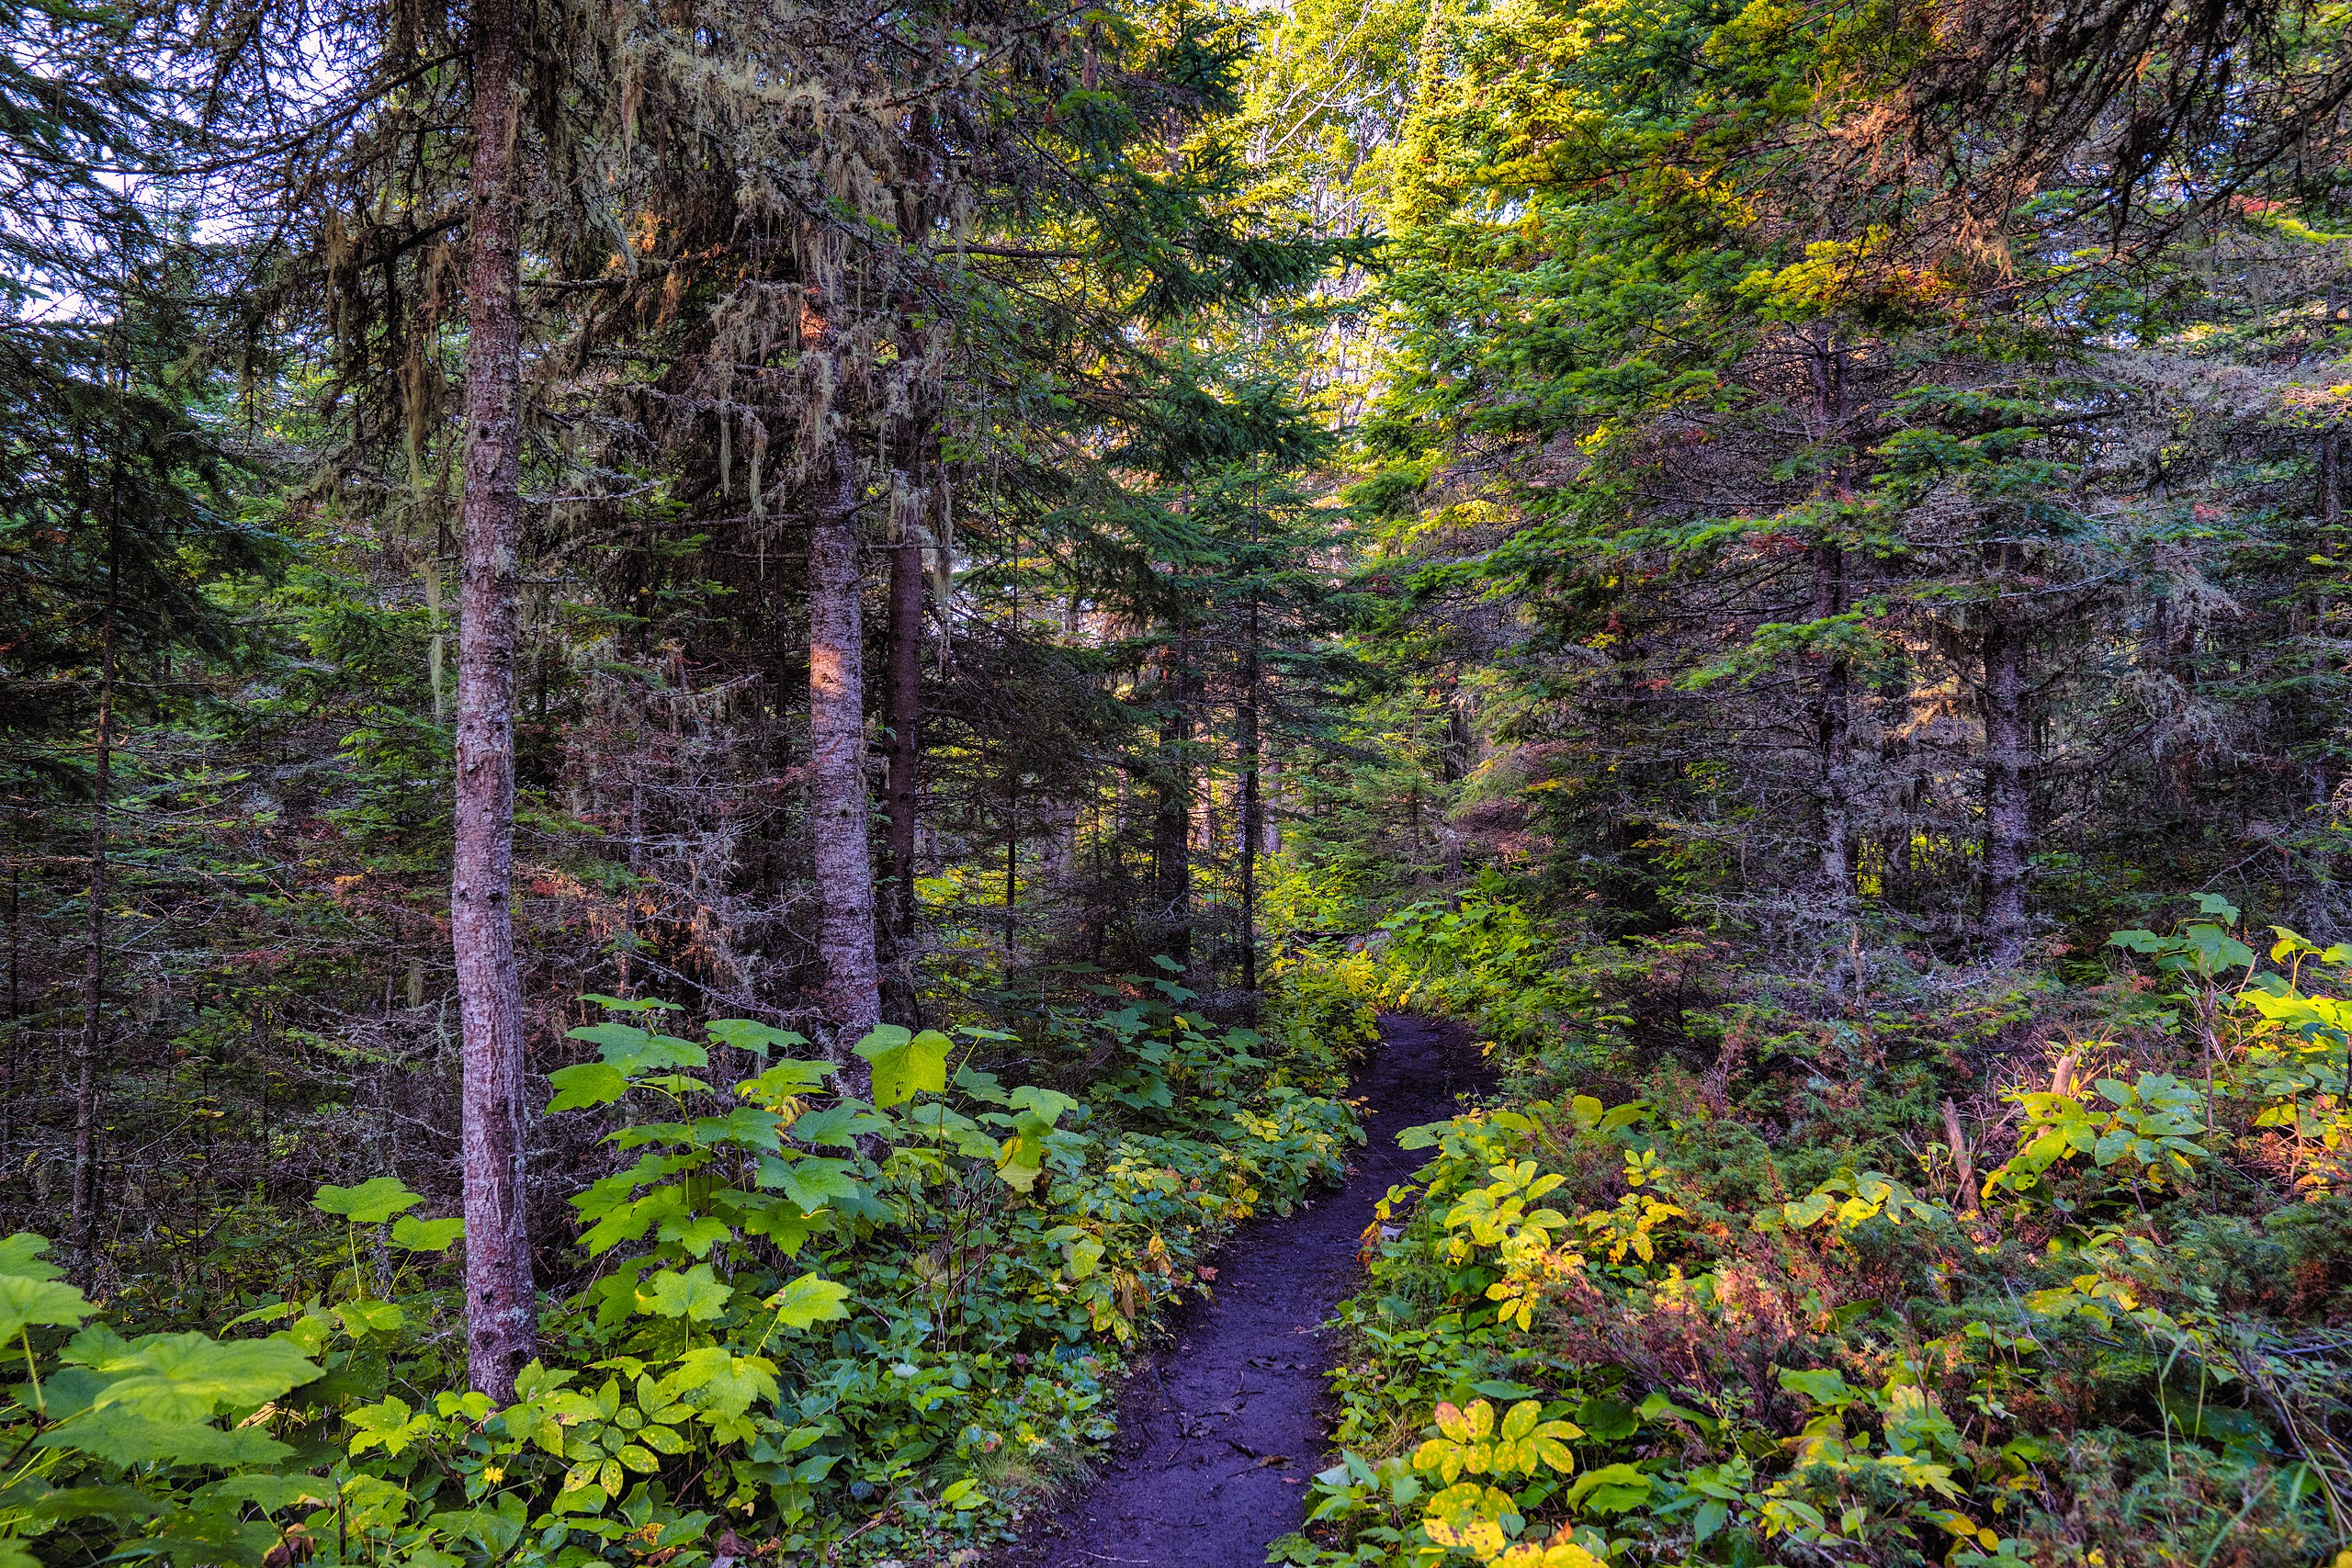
(501,1315)
(902,714)
(1171,860)
(838,803)
(2007,815)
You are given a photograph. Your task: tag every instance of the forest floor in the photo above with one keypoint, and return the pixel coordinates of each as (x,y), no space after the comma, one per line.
(1220,1432)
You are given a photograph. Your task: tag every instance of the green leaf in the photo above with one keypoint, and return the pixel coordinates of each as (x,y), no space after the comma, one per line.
(589,1083)
(746,1035)
(610,1037)
(1607,1420)
(809,1301)
(2217,950)
(271,1493)
(1821,1387)
(183,1376)
(1624,1115)
(123,1437)
(1048,1105)
(726,1383)
(745,1127)
(494,1529)
(96,1502)
(677,1083)
(21,1254)
(630,1004)
(624,1220)
(978,1086)
(388,1425)
(783,1079)
(1612,1489)
(905,1065)
(1082,1255)
(935,1119)
(2214,904)
(695,1295)
(781,1220)
(25,1301)
(839,1126)
(1023,1158)
(371,1202)
(371,1317)
(635,1050)
(812,1181)
(695,1233)
(414,1235)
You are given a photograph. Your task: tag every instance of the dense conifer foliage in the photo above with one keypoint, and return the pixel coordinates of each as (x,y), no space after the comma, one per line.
(718,719)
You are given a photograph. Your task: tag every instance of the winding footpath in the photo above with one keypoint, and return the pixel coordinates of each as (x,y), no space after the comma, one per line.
(1220,1434)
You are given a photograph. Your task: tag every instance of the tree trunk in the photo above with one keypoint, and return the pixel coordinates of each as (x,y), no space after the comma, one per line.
(838,804)
(1063,816)
(2008,825)
(83,1213)
(1011,864)
(1062,832)
(1269,792)
(1833,699)
(902,712)
(1247,741)
(1172,822)
(15,990)
(2331,477)
(502,1319)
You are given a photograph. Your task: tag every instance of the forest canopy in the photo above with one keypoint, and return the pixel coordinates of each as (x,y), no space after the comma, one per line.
(721,722)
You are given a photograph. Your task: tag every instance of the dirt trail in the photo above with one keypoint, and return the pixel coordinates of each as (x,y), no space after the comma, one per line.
(1219,1436)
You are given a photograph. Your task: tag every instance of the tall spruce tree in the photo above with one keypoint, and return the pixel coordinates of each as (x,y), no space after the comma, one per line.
(118,509)
(1824,464)
(727,275)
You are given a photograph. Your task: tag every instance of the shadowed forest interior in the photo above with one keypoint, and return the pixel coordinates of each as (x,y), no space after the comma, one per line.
(720,720)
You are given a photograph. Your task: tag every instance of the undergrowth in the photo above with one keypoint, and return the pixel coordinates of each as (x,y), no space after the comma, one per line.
(806,1327)
(1953,1267)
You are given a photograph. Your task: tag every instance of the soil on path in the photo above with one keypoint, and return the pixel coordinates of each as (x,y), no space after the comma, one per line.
(1221,1432)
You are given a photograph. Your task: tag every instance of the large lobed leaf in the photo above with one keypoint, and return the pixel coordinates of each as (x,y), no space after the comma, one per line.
(187,1377)
(369,1204)
(906,1064)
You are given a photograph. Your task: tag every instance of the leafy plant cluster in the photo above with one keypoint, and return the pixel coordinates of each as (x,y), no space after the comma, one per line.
(2051,1276)
(813,1321)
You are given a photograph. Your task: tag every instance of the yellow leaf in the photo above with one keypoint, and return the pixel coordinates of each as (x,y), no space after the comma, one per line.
(1565,1554)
